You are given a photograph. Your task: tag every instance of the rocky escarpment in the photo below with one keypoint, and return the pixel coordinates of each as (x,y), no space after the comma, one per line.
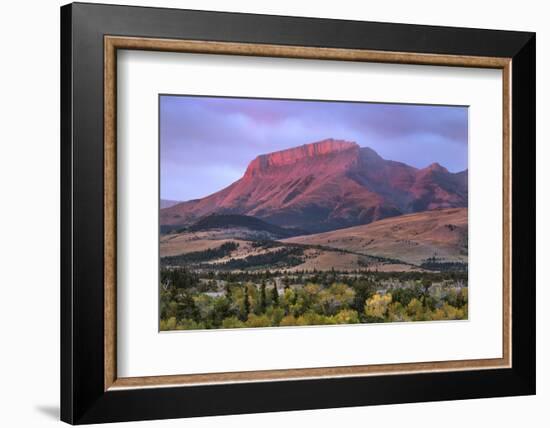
(327,185)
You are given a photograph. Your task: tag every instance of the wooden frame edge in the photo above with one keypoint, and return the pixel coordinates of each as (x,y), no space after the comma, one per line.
(299,374)
(301,52)
(109,198)
(507,213)
(112,43)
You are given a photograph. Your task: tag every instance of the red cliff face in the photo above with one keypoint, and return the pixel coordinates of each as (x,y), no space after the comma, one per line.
(290,157)
(327,185)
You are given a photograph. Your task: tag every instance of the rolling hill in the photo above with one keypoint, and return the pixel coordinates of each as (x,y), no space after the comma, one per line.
(440,235)
(435,240)
(225,221)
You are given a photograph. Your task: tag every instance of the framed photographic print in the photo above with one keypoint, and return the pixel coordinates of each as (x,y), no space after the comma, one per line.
(316,212)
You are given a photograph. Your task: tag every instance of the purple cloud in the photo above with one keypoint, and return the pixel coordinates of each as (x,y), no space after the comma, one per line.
(207,142)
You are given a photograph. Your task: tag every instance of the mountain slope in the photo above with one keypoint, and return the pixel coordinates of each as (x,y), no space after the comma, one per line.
(413,238)
(167,203)
(327,185)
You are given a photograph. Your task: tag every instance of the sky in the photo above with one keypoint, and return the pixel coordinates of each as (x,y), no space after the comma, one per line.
(206,143)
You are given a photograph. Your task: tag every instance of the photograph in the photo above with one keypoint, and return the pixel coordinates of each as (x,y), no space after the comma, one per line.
(278,213)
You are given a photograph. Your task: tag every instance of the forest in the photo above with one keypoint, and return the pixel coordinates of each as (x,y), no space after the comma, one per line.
(217,299)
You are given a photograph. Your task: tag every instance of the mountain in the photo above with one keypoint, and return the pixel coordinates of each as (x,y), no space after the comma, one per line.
(439,236)
(327,185)
(167,203)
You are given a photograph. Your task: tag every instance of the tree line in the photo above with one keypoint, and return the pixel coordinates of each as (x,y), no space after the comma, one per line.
(186,304)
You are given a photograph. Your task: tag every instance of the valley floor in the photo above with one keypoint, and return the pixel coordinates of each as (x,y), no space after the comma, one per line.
(431,240)
(406,268)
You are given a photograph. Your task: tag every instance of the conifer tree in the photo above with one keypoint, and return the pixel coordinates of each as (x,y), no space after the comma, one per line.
(263,297)
(246,304)
(228,291)
(275,295)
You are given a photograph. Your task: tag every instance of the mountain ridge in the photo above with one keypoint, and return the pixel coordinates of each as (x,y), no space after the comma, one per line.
(291,156)
(329,184)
